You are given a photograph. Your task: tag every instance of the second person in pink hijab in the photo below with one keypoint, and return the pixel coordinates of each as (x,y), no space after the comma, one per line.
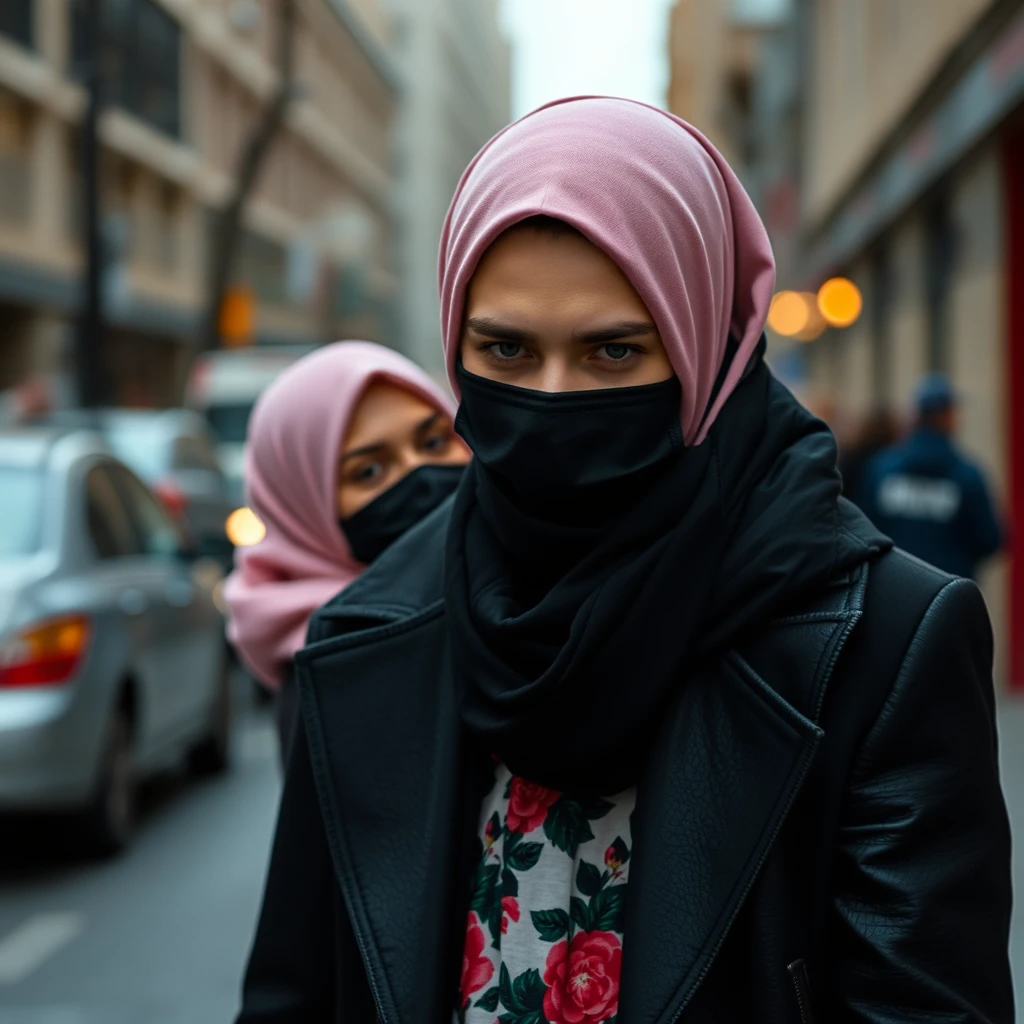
(350,447)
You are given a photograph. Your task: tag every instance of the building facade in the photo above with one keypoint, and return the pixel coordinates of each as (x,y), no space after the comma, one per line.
(884,141)
(457,56)
(184,83)
(913,186)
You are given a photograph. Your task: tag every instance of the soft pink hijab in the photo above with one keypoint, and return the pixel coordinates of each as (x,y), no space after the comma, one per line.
(654,194)
(295,434)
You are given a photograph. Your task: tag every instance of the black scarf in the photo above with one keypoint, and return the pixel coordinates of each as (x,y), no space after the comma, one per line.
(570,634)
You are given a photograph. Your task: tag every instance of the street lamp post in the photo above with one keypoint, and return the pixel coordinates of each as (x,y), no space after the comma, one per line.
(90,326)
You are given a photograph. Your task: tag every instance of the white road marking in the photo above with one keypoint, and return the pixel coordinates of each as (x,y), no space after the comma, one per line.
(34,941)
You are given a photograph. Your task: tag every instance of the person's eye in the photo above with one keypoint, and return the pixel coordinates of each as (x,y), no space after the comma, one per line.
(437,443)
(618,352)
(368,473)
(505,351)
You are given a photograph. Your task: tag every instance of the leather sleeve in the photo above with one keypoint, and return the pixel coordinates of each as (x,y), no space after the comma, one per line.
(923,873)
(291,974)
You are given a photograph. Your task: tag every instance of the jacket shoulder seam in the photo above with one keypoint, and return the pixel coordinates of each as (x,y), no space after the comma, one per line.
(902,672)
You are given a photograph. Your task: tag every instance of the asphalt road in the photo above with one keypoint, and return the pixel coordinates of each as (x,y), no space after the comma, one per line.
(160,936)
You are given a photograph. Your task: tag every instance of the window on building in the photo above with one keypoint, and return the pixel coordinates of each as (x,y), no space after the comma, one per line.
(15,166)
(16,21)
(141,46)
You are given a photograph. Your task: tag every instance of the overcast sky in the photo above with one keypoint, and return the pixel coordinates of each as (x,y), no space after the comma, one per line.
(567,47)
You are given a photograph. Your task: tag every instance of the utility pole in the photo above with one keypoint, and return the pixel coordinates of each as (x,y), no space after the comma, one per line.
(90,325)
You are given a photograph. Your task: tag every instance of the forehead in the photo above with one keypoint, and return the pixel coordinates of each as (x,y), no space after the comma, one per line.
(542,272)
(384,411)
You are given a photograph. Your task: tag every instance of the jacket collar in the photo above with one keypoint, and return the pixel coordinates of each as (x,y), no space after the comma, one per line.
(395,786)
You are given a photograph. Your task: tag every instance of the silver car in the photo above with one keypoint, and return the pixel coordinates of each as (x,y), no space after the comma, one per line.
(173,451)
(112,654)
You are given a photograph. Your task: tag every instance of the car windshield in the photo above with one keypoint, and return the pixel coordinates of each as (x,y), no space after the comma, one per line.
(229,422)
(146,449)
(20,511)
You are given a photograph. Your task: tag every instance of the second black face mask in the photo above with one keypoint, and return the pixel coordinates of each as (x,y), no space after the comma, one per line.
(375,527)
(542,443)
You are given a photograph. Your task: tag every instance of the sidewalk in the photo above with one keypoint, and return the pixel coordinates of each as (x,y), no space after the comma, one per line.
(1011,749)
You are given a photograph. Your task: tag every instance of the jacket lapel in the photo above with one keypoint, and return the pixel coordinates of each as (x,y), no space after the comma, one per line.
(726,768)
(393,786)
(397,787)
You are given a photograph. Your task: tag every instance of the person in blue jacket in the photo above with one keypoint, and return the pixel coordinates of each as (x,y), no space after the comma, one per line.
(927,496)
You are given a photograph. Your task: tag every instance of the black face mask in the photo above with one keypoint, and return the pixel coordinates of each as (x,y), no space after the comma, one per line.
(375,527)
(575,447)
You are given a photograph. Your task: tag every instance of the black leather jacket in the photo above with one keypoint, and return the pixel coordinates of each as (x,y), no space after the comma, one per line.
(819,834)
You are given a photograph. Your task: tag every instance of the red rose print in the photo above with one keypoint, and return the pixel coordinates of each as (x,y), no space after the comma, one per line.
(477,970)
(583,979)
(510,908)
(528,805)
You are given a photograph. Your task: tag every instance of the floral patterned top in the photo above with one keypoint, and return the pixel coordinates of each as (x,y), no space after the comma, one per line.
(544,935)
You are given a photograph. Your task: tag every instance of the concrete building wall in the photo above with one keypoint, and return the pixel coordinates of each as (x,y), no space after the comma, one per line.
(323,201)
(978,356)
(454,60)
(908,357)
(871,59)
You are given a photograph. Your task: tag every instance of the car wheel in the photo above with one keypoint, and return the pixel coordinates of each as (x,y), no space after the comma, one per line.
(110,818)
(212,755)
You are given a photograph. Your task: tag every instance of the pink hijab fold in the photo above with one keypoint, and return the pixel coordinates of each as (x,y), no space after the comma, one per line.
(653,193)
(295,435)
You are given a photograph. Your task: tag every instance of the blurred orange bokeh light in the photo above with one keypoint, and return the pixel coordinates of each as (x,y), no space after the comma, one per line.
(839,301)
(789,314)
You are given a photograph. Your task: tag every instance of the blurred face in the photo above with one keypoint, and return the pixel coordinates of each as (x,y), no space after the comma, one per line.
(392,433)
(555,313)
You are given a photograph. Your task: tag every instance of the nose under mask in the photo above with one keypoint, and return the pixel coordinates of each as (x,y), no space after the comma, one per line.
(540,444)
(376,526)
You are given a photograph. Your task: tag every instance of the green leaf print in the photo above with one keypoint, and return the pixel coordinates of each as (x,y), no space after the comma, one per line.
(494,916)
(509,884)
(589,879)
(580,913)
(607,909)
(567,827)
(524,856)
(523,999)
(489,1000)
(485,889)
(567,824)
(551,925)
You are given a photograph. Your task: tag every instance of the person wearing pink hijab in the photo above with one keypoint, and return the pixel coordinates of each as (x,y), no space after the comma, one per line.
(347,449)
(649,725)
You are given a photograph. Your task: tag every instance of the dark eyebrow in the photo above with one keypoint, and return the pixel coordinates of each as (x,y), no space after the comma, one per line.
(615,332)
(431,421)
(491,328)
(367,449)
(373,449)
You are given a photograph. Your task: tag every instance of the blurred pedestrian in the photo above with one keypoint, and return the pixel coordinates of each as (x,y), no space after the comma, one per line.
(930,498)
(878,431)
(667,730)
(350,447)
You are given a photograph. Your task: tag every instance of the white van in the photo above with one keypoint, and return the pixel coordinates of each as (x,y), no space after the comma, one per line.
(224,385)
